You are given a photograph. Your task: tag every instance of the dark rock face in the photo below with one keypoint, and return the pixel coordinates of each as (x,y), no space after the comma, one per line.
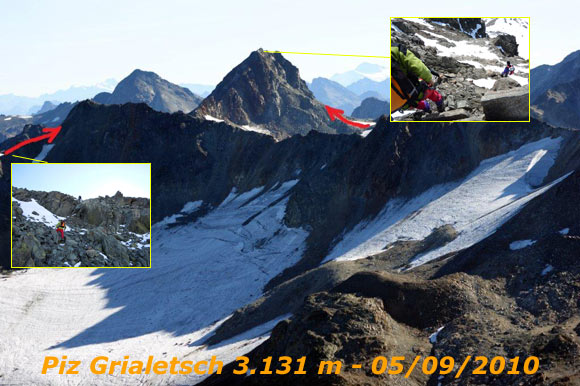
(334,94)
(148,87)
(101,232)
(506,105)
(559,106)
(469,25)
(55,116)
(547,77)
(266,90)
(371,108)
(507,43)
(214,156)
(555,92)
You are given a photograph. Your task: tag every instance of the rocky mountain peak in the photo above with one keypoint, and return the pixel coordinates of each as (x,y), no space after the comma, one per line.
(266,90)
(150,88)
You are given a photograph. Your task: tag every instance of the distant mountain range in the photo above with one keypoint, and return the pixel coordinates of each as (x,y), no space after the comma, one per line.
(375,72)
(11,104)
(199,89)
(347,90)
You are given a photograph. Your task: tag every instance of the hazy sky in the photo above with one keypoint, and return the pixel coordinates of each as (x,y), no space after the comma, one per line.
(86,180)
(51,45)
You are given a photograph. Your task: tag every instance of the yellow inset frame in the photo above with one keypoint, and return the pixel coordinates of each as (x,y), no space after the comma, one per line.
(82,163)
(465,17)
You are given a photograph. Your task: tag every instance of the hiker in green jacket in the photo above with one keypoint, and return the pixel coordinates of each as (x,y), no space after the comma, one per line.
(411,82)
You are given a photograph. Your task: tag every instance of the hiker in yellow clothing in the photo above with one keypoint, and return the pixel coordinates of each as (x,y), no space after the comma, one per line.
(411,82)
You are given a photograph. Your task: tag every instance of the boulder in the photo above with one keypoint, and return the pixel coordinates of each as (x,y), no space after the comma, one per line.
(27,252)
(92,254)
(507,44)
(506,105)
(452,115)
(505,84)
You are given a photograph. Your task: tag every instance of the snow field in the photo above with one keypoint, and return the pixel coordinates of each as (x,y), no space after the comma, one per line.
(42,215)
(202,272)
(475,206)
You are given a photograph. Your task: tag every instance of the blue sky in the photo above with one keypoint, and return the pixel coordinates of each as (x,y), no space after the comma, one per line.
(86,180)
(51,45)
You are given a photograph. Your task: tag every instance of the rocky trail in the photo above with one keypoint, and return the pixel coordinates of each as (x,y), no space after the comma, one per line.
(469,60)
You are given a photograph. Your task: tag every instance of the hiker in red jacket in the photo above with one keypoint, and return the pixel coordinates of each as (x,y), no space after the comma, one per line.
(60,229)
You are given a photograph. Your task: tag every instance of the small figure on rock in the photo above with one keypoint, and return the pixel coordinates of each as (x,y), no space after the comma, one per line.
(60,230)
(80,198)
(508,70)
(412,83)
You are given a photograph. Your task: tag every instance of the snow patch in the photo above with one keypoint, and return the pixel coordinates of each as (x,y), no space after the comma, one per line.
(210,118)
(433,336)
(35,212)
(188,208)
(44,152)
(487,83)
(549,268)
(256,129)
(517,27)
(520,244)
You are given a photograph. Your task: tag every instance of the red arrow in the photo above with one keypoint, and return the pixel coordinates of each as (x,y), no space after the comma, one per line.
(337,113)
(52,132)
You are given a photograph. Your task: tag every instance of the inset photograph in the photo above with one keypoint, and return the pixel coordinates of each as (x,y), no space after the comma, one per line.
(460,69)
(81,215)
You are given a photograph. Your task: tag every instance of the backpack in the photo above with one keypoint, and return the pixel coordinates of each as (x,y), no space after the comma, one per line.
(406,86)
